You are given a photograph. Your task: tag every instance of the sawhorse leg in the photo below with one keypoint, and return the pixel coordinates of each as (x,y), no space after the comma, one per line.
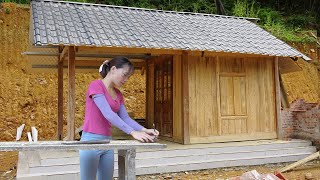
(126,164)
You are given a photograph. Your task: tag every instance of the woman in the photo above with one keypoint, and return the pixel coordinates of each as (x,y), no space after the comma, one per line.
(105,107)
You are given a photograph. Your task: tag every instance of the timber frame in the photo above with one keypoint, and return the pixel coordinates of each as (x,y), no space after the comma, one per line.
(207,81)
(71,57)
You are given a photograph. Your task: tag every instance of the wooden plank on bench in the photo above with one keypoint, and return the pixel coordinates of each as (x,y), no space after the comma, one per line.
(60,145)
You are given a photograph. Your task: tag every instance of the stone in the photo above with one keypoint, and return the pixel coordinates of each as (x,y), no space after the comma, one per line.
(308,176)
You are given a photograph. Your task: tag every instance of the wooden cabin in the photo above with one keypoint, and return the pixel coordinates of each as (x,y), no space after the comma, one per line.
(210,78)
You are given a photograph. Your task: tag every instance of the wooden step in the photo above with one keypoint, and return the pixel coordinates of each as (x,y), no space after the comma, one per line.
(65,165)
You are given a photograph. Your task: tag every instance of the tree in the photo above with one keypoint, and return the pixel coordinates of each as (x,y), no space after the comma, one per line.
(220,7)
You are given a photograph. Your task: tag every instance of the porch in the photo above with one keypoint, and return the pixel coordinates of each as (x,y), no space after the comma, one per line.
(175,158)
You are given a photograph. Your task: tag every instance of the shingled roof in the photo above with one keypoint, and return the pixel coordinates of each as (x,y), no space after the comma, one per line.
(84,24)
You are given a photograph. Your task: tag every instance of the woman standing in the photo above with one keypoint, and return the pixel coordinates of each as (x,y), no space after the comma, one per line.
(104,108)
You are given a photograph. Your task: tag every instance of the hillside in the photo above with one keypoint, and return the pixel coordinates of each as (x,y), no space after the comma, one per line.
(31,98)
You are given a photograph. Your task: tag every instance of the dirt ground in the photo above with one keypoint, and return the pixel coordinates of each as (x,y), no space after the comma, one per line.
(312,167)
(31,98)
(298,173)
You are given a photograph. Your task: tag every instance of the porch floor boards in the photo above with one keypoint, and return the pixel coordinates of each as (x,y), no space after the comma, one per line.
(176,157)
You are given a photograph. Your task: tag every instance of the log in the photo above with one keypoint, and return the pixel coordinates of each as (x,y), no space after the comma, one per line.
(300,162)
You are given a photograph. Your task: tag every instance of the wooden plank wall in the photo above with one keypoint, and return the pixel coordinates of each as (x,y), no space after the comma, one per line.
(185,97)
(261,95)
(177,99)
(231,98)
(202,96)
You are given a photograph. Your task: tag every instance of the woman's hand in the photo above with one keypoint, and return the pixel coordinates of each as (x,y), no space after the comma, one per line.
(142,136)
(153,132)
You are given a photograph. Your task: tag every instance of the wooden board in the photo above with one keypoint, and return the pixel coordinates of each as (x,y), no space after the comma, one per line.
(150,93)
(71,94)
(185,97)
(177,98)
(231,98)
(203,114)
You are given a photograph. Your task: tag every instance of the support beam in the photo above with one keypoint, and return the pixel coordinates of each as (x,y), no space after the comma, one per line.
(95,54)
(96,64)
(150,92)
(40,54)
(185,98)
(60,99)
(71,93)
(283,94)
(126,164)
(124,51)
(278,98)
(64,53)
(218,95)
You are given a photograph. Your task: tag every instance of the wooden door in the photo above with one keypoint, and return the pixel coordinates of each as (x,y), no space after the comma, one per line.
(247,106)
(233,97)
(163,114)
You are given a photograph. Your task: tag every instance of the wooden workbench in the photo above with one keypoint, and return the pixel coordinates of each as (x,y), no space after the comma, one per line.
(126,150)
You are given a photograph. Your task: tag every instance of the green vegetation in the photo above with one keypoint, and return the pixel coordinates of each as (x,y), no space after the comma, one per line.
(289,20)
(15,1)
(285,29)
(242,8)
(7,10)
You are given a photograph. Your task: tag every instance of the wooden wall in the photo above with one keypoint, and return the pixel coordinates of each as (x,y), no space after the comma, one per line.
(203,110)
(219,98)
(150,93)
(231,99)
(177,99)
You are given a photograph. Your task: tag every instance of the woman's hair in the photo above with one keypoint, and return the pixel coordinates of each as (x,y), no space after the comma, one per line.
(118,62)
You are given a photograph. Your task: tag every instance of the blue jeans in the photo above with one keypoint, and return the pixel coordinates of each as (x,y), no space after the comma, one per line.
(96,162)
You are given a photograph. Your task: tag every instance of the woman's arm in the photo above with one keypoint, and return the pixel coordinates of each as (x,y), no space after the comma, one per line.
(126,118)
(136,126)
(112,117)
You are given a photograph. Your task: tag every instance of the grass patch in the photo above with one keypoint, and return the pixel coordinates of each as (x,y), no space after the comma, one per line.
(285,29)
(7,10)
(243,8)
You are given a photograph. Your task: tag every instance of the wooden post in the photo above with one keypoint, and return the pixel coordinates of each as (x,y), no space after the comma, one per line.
(60,98)
(218,95)
(278,98)
(150,92)
(177,99)
(283,94)
(300,162)
(71,93)
(147,120)
(185,98)
(126,164)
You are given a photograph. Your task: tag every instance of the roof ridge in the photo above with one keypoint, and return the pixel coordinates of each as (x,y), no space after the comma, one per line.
(155,10)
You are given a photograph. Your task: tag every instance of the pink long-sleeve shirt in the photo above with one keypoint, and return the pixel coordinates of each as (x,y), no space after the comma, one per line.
(100,115)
